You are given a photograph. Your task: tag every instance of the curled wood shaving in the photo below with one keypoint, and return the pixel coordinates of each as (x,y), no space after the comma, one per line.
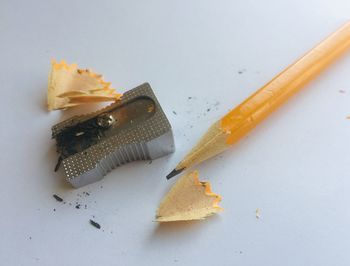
(188,199)
(70,86)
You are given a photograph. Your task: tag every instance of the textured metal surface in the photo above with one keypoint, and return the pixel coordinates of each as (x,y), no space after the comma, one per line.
(147,138)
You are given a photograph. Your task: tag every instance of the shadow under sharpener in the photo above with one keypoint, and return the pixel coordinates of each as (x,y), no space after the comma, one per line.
(133,128)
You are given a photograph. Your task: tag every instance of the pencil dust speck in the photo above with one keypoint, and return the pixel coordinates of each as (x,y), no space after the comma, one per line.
(95,224)
(58,198)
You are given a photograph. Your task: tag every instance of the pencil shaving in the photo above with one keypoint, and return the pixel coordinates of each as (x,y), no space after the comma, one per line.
(70,86)
(257,213)
(189,199)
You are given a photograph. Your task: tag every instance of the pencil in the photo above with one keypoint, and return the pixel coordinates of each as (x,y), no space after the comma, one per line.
(243,118)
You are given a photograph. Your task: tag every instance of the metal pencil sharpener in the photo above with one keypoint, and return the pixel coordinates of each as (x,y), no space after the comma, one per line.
(133,128)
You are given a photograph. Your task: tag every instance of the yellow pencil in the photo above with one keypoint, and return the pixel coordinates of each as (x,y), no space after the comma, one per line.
(238,122)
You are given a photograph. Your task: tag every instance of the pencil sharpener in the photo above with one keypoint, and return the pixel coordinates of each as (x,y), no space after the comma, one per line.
(133,128)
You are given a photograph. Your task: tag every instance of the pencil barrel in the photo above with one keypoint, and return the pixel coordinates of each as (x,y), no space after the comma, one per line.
(258,106)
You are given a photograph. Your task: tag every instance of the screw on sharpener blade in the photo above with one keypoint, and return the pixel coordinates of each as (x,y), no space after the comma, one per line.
(105,120)
(133,128)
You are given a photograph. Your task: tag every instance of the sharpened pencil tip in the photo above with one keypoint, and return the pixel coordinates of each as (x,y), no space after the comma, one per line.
(174,173)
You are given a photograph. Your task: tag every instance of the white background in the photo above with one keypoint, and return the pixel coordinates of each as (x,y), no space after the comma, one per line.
(294,167)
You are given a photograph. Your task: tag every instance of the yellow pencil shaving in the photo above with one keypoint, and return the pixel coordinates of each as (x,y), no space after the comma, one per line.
(92,98)
(70,86)
(72,93)
(189,199)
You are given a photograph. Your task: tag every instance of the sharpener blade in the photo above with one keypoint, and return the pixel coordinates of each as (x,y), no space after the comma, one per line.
(134,128)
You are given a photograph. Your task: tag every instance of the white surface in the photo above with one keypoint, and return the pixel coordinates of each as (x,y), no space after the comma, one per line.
(294,167)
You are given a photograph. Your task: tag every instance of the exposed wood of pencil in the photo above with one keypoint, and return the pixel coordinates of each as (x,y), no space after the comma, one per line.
(238,122)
